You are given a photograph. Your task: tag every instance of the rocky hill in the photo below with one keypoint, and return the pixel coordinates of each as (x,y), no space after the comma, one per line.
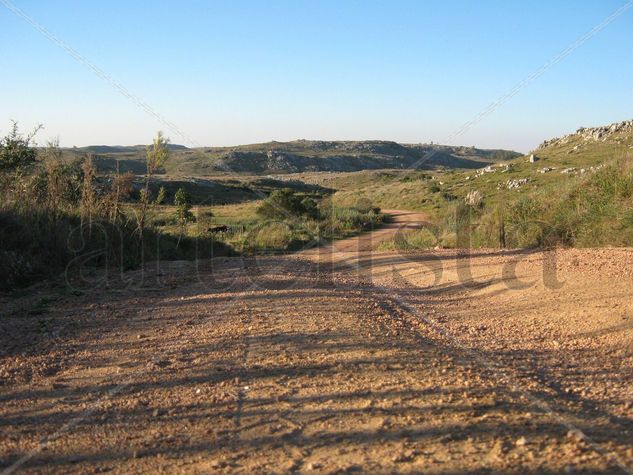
(306,155)
(618,133)
(303,156)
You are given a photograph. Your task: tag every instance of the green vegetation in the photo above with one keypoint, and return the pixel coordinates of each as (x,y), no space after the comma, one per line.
(586,211)
(183,211)
(411,239)
(58,215)
(15,149)
(578,193)
(591,211)
(285,203)
(290,222)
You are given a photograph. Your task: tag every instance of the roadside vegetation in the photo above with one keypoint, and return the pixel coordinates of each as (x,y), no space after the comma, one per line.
(60,213)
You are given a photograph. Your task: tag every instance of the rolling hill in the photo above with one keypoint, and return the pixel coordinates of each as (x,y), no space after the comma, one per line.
(300,156)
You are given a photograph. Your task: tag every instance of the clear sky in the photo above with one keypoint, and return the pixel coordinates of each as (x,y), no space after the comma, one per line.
(242,71)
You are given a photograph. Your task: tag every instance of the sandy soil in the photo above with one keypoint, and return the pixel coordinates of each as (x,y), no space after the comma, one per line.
(337,360)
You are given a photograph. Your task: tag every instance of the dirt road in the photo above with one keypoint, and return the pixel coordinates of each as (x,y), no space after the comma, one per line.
(325,362)
(368,242)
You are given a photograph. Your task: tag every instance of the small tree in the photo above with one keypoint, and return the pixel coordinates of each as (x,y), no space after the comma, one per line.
(156,156)
(16,150)
(310,207)
(122,186)
(88,196)
(162,193)
(54,178)
(183,210)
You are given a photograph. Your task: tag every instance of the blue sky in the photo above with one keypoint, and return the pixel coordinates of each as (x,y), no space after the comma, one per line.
(238,71)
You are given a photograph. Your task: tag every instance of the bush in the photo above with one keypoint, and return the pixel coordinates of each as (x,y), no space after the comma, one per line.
(16,150)
(285,203)
(271,236)
(338,222)
(434,188)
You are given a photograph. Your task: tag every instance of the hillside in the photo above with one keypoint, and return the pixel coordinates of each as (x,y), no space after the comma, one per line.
(577,186)
(555,164)
(300,156)
(558,167)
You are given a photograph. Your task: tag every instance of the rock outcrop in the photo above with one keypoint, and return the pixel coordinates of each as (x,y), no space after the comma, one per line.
(591,134)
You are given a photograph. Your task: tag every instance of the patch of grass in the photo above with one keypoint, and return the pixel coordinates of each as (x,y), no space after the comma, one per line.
(411,239)
(592,210)
(249,232)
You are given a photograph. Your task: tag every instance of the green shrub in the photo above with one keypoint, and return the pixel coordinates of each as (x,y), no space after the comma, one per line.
(524,223)
(434,187)
(286,204)
(15,149)
(338,221)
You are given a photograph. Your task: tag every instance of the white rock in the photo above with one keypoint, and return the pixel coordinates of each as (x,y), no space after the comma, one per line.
(521,442)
